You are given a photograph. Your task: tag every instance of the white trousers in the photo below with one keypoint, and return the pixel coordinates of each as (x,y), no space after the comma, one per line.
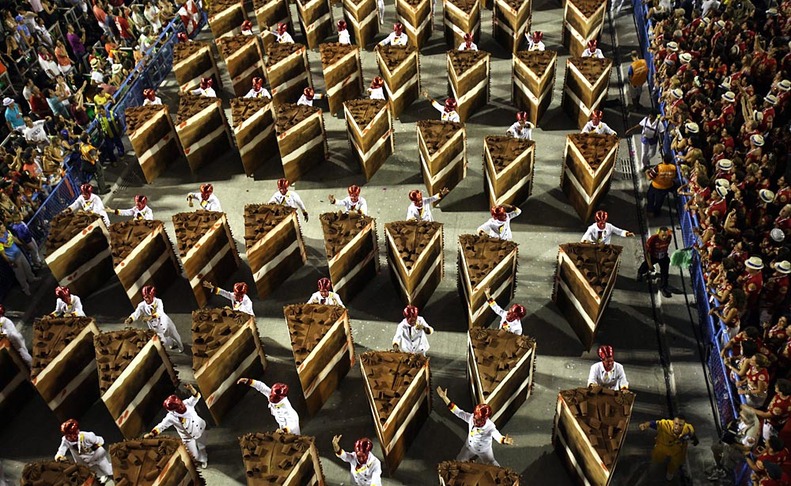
(649,151)
(23,272)
(197,448)
(486,457)
(99,463)
(167,332)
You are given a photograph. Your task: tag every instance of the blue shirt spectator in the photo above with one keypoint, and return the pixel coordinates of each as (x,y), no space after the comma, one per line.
(13,115)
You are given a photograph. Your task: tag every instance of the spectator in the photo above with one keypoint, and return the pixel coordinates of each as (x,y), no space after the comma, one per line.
(38,104)
(151,13)
(91,164)
(76,40)
(737,440)
(10,250)
(48,63)
(62,56)
(13,115)
(34,132)
(777,411)
(112,131)
(55,103)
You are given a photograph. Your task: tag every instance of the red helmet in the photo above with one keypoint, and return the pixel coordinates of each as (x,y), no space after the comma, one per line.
(607,357)
(63,293)
(354,191)
(362,448)
(182,37)
(239,290)
(247,25)
(593,44)
(377,82)
(468,38)
(206,190)
(70,430)
(521,116)
(86,190)
(416,196)
(174,404)
(150,94)
(324,284)
(596,116)
(2,310)
(258,83)
(538,36)
(517,311)
(141,201)
(499,213)
(309,93)
(341,25)
(149,292)
(281,28)
(206,83)
(278,393)
(282,185)
(398,28)
(601,218)
(481,412)
(450,104)
(410,312)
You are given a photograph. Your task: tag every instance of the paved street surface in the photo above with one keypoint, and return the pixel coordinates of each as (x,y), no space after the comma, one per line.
(641,327)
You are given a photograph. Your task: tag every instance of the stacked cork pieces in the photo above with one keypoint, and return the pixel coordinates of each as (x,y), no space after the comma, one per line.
(206,249)
(588,165)
(500,368)
(585,86)
(226,347)
(343,73)
(254,131)
(398,387)
(400,70)
(416,259)
(142,255)
(362,20)
(416,16)
(301,139)
(583,21)
(510,20)
(369,126)
(468,76)
(287,71)
(64,364)
(14,390)
(443,153)
(352,251)
(281,458)
(321,340)
(508,169)
(269,13)
(315,20)
(455,473)
(244,60)
(533,74)
(485,263)
(461,17)
(193,61)
(584,281)
(590,428)
(202,129)
(56,473)
(226,17)
(275,249)
(78,251)
(153,138)
(153,462)
(135,373)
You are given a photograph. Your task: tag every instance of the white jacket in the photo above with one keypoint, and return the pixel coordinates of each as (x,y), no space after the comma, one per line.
(615,379)
(93,205)
(146,213)
(521,132)
(500,229)
(332,299)
(188,425)
(82,450)
(423,213)
(514,326)
(479,439)
(595,235)
(451,116)
(303,100)
(210,204)
(597,53)
(409,339)
(344,37)
(368,474)
(600,129)
(347,204)
(159,321)
(376,93)
(246,305)
(262,93)
(73,309)
(395,40)
(284,414)
(463,47)
(157,101)
(8,328)
(208,92)
(290,199)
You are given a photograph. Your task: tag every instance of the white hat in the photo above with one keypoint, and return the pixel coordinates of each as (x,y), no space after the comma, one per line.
(777,235)
(677,93)
(726,83)
(692,127)
(672,46)
(766,195)
(685,57)
(783,267)
(771,11)
(94,62)
(725,164)
(723,182)
(117,68)
(721,190)
(754,262)
(771,99)
(706,20)
(757,140)
(729,96)
(7,101)
(785,85)
(721,24)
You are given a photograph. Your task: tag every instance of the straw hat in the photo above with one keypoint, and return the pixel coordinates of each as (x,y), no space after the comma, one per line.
(672,46)
(685,57)
(771,99)
(725,164)
(754,263)
(7,101)
(721,190)
(766,195)
(757,140)
(692,127)
(783,267)
(117,68)
(677,93)
(729,96)
(777,235)
(723,182)
(785,85)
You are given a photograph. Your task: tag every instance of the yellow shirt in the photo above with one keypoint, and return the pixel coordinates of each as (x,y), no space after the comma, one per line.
(666,438)
(666,174)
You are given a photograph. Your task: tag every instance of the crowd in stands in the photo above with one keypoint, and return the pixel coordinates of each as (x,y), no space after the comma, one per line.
(723,76)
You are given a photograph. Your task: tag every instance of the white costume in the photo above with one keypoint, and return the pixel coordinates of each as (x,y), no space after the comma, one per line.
(146,213)
(376,93)
(348,205)
(422,213)
(395,40)
(344,37)
(380,6)
(331,299)
(451,116)
(615,379)
(17,341)
(368,474)
(91,205)
(409,339)
(246,305)
(534,46)
(595,235)
(514,326)
(601,129)
(190,428)
(208,92)
(290,199)
(597,53)
(210,204)
(463,47)
(262,93)
(157,101)
(84,453)
(522,132)
(284,38)
(303,100)
(285,415)
(479,439)
(73,309)
(500,229)
(651,132)
(159,322)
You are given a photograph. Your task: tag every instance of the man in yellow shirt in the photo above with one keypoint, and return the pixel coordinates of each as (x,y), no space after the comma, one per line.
(672,439)
(663,180)
(638,75)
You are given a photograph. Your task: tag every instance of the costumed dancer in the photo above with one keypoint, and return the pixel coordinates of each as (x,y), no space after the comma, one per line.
(510,320)
(601,231)
(499,225)
(420,208)
(8,328)
(140,211)
(325,295)
(364,468)
(86,449)
(207,200)
(90,203)
(152,311)
(190,427)
(279,406)
(239,298)
(285,197)
(411,333)
(353,202)
(68,304)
